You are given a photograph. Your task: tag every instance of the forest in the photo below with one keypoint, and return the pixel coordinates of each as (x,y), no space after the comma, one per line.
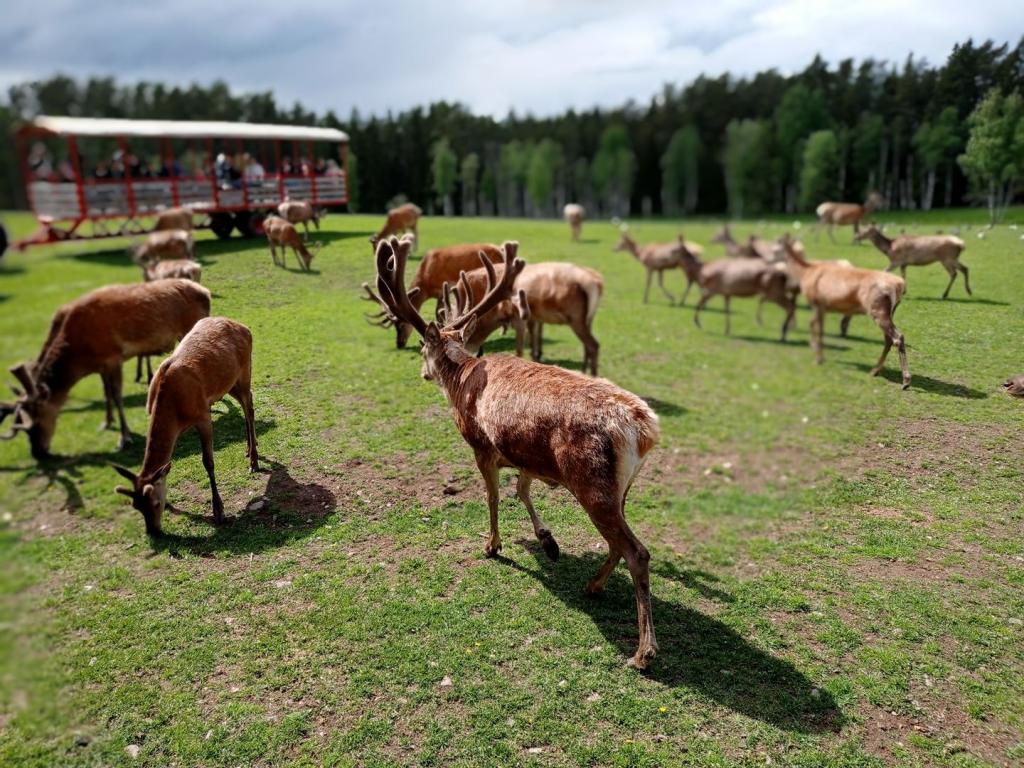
(921,135)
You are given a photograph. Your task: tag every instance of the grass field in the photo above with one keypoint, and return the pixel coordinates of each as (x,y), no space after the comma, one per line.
(837,565)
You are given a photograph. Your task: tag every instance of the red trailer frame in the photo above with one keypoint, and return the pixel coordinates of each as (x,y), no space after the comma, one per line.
(72,205)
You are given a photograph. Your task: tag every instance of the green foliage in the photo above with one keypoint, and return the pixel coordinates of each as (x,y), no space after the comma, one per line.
(470,175)
(512,174)
(936,143)
(445,168)
(747,165)
(680,171)
(613,170)
(800,112)
(994,158)
(354,195)
(819,170)
(545,166)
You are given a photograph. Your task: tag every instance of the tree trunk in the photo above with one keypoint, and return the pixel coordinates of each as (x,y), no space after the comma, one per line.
(949,186)
(929,191)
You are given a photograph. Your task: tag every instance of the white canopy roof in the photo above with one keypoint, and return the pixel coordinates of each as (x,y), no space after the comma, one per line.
(188,129)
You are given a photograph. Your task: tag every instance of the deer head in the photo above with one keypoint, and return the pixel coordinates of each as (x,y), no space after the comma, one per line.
(32,412)
(445,338)
(626,241)
(725,236)
(148,494)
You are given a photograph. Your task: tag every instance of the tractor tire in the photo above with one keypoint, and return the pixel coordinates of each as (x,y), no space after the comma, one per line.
(250,223)
(222,224)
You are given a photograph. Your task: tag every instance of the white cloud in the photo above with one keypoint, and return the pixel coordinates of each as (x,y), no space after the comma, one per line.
(534,55)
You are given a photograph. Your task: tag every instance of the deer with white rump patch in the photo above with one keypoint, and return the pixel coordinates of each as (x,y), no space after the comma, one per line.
(574,213)
(921,250)
(551,424)
(213,360)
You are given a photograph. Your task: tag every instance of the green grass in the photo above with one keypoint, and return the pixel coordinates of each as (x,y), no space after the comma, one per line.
(837,564)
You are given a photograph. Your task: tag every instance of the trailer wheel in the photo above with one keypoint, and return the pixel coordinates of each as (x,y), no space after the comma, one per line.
(3,241)
(222,224)
(250,223)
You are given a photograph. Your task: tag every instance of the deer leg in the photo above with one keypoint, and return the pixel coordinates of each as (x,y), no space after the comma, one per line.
(790,308)
(596,585)
(547,541)
(538,339)
(952,279)
(138,369)
(700,305)
(844,325)
(638,561)
(817,325)
(728,315)
(490,475)
(590,345)
(108,399)
(831,235)
(242,392)
(967,283)
(114,376)
(760,305)
(887,330)
(661,284)
(149,369)
(686,293)
(205,430)
(647,290)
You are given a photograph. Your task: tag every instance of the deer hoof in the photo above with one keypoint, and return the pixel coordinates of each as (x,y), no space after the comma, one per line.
(124,442)
(550,546)
(492,550)
(643,658)
(906,384)
(875,371)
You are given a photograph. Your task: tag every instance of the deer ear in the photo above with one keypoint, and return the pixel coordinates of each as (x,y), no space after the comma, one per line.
(124,472)
(432,333)
(125,491)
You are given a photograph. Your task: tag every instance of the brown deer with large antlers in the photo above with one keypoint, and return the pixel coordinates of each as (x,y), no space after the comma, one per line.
(213,360)
(282,234)
(96,334)
(401,219)
(551,424)
(439,266)
(832,287)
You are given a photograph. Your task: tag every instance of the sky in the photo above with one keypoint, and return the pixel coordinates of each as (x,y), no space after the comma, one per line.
(536,56)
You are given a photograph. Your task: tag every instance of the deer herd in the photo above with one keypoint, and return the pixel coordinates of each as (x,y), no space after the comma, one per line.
(561,427)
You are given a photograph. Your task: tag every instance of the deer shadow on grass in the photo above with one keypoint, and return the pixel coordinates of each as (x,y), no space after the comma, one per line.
(696,651)
(292,511)
(663,407)
(924,383)
(959,300)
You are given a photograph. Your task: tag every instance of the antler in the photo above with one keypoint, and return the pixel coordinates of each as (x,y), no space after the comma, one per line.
(497,290)
(391,294)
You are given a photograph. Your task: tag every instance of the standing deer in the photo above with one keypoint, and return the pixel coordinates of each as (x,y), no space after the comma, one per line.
(401,219)
(555,292)
(165,244)
(439,266)
(551,424)
(921,250)
(283,234)
(213,360)
(658,257)
(186,269)
(574,213)
(96,334)
(174,218)
(843,214)
(831,287)
(299,212)
(754,248)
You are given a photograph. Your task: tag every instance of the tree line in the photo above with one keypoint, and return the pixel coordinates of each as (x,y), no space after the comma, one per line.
(922,135)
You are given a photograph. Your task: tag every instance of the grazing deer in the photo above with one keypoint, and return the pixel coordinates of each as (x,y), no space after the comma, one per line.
(96,334)
(742,278)
(555,292)
(213,360)
(281,233)
(574,213)
(439,266)
(921,250)
(754,248)
(184,269)
(402,219)
(299,212)
(174,218)
(658,257)
(831,287)
(845,214)
(164,244)
(551,424)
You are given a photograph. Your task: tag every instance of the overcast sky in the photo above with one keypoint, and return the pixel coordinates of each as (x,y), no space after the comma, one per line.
(538,56)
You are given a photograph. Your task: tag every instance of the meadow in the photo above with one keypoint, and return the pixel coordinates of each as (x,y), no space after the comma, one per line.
(837,565)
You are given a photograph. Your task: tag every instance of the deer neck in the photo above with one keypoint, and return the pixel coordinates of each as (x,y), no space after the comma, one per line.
(162,437)
(882,243)
(454,368)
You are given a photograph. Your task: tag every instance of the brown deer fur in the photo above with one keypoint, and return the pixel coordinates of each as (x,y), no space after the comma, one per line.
(165,244)
(173,218)
(551,424)
(918,251)
(574,213)
(844,214)
(557,293)
(282,234)
(213,360)
(1015,385)
(96,334)
(185,269)
(742,278)
(658,257)
(439,266)
(754,248)
(402,219)
(831,287)
(299,212)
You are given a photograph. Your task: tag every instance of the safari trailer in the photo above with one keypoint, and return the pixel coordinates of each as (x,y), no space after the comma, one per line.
(91,178)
